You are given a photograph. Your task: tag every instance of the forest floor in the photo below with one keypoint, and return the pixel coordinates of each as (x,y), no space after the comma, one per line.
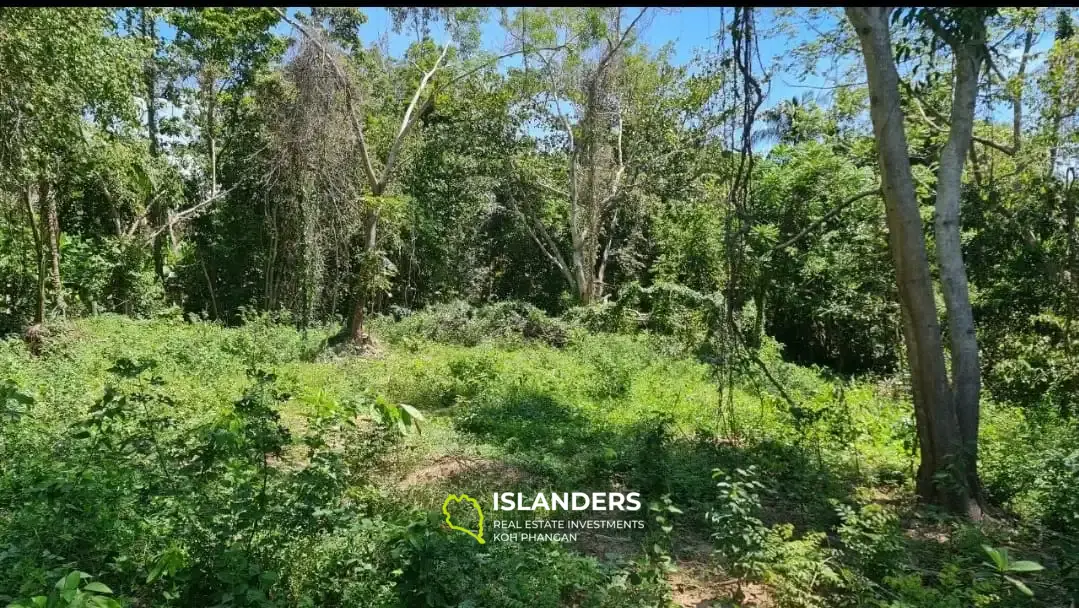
(601,413)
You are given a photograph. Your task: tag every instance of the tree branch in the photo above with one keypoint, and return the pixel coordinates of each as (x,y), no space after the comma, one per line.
(827,216)
(189,212)
(553,253)
(489,63)
(610,53)
(1010,151)
(407,122)
(343,81)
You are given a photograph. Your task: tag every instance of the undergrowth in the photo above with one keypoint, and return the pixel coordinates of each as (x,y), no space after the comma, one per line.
(169,463)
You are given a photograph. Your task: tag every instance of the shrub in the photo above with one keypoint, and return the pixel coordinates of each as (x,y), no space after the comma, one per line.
(460,323)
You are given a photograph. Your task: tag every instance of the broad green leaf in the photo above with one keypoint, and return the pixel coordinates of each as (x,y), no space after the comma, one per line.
(1025,566)
(97,587)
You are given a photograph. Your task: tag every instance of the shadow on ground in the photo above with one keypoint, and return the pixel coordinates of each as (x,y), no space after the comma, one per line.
(552,440)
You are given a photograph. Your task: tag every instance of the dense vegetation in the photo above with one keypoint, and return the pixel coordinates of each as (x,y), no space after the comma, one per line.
(271,292)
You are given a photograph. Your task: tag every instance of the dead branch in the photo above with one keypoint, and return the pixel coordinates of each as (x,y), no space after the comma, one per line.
(189,213)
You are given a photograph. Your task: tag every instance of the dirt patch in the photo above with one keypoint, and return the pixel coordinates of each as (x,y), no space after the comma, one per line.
(696,585)
(930,533)
(448,468)
(602,544)
(337,349)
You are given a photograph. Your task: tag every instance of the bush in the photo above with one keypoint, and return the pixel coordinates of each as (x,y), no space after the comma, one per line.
(460,323)
(608,317)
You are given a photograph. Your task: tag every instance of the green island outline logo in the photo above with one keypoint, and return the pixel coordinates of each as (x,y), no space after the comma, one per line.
(446,512)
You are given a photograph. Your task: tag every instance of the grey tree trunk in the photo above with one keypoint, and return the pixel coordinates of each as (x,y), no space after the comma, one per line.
(356,333)
(938,427)
(966,374)
(39,253)
(50,230)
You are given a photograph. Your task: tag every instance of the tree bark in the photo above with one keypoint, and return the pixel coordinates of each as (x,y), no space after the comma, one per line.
(935,413)
(50,230)
(39,252)
(966,374)
(356,332)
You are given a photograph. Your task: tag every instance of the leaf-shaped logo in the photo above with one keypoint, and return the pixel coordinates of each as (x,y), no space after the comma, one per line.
(454,499)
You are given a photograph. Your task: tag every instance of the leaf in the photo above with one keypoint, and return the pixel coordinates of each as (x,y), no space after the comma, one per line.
(69,582)
(415,413)
(1019,585)
(97,587)
(999,559)
(143,179)
(1025,566)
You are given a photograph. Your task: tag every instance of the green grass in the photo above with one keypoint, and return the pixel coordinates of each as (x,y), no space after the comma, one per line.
(599,412)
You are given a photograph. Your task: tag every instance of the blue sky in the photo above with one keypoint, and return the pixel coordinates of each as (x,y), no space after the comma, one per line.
(689,29)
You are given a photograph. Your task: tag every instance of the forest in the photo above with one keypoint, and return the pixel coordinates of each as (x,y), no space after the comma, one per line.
(282,287)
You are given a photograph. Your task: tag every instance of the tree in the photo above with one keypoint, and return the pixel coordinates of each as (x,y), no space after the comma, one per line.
(592,134)
(945,473)
(965,32)
(381,176)
(57,66)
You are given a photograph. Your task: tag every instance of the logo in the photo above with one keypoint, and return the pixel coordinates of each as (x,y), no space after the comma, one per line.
(453,498)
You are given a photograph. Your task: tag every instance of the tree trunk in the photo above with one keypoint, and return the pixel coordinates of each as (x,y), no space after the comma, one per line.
(50,231)
(211,121)
(938,427)
(157,210)
(966,374)
(1017,100)
(39,253)
(760,298)
(356,334)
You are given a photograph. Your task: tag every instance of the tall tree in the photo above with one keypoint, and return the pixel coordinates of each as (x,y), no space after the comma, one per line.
(585,103)
(58,67)
(944,473)
(964,31)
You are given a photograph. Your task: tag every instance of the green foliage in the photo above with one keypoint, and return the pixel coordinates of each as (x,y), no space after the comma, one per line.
(741,309)
(828,295)
(872,539)
(74,589)
(741,537)
(459,323)
(799,569)
(277,488)
(1007,568)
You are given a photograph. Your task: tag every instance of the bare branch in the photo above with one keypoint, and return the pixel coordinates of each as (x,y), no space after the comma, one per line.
(612,50)
(1010,151)
(553,252)
(189,212)
(408,121)
(343,81)
(552,189)
(495,60)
